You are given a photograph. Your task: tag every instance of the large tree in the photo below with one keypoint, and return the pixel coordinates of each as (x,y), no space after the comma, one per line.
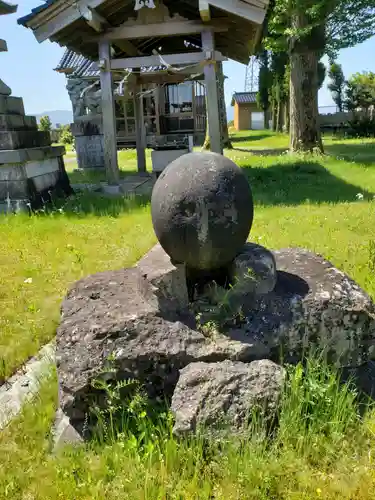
(308,29)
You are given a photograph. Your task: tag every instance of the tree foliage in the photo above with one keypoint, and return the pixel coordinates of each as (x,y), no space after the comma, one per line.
(45,124)
(360,92)
(66,136)
(331,25)
(350,23)
(337,84)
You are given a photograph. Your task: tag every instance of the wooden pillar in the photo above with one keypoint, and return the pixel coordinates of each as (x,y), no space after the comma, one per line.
(140,130)
(210,76)
(108,112)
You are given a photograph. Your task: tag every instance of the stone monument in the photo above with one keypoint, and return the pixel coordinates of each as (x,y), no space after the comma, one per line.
(209,342)
(30,168)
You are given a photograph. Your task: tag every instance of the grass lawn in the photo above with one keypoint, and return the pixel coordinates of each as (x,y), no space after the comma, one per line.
(325,204)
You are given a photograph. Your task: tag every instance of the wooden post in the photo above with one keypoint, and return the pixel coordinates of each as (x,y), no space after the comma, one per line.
(108,111)
(140,130)
(210,76)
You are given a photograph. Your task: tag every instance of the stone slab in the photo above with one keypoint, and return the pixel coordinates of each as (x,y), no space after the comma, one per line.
(161,159)
(45,181)
(3,46)
(94,126)
(14,189)
(31,154)
(38,168)
(24,384)
(90,151)
(17,122)
(11,105)
(24,139)
(12,172)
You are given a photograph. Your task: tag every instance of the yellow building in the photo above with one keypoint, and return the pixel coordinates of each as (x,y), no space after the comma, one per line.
(247,114)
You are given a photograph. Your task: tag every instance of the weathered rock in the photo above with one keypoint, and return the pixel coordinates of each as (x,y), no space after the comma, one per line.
(314,305)
(168,281)
(222,396)
(116,315)
(202,210)
(138,319)
(253,271)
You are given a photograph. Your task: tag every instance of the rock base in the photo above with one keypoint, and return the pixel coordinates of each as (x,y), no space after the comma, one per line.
(141,319)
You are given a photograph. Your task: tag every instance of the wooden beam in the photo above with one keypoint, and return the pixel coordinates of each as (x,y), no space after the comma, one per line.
(212,96)
(171,59)
(164,78)
(174,28)
(108,112)
(204,10)
(63,19)
(140,130)
(99,24)
(242,9)
(94,20)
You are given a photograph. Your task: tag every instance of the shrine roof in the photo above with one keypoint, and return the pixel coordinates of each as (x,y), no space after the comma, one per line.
(7,8)
(244,98)
(77,25)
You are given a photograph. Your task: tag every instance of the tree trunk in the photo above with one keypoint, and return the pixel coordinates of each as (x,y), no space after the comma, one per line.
(279,117)
(286,117)
(226,143)
(274,116)
(266,114)
(304,115)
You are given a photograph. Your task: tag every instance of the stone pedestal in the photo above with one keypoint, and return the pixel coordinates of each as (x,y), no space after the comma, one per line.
(161,159)
(31,170)
(89,142)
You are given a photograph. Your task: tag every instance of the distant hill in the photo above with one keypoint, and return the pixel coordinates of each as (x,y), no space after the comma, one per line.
(61,117)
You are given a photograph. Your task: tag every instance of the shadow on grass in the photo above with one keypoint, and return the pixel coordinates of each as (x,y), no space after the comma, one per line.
(359,153)
(299,182)
(261,152)
(249,138)
(100,205)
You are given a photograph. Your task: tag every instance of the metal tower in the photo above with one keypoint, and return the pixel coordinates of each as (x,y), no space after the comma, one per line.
(252,75)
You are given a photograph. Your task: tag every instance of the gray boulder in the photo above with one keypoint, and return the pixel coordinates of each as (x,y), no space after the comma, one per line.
(253,271)
(113,318)
(222,396)
(136,323)
(314,305)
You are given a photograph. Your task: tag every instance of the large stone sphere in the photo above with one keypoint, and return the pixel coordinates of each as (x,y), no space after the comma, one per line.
(202,210)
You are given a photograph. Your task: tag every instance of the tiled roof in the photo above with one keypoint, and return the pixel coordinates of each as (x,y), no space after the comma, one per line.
(23,20)
(244,98)
(78,66)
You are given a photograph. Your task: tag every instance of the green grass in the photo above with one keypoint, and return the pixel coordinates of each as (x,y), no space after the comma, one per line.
(127,160)
(301,201)
(322,449)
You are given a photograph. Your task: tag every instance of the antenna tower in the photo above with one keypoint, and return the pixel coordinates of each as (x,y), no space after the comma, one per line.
(252,75)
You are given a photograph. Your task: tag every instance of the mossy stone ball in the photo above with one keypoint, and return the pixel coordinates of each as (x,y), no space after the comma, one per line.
(202,210)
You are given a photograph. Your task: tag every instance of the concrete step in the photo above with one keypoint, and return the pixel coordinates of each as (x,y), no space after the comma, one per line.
(24,139)
(10,122)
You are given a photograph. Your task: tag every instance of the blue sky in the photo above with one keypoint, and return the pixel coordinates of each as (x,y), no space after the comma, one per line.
(28,66)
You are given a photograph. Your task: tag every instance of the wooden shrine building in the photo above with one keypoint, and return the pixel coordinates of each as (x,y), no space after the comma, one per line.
(184,37)
(169,109)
